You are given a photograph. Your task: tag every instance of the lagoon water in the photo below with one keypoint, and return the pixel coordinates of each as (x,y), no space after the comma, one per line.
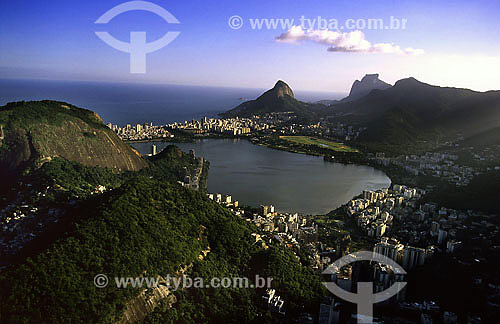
(256,175)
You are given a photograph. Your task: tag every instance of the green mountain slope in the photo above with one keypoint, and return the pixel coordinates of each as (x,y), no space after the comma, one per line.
(149,228)
(480,194)
(59,186)
(414,112)
(142,224)
(37,131)
(145,227)
(486,138)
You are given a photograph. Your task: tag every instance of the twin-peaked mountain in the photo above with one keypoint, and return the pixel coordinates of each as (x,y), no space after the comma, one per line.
(278,99)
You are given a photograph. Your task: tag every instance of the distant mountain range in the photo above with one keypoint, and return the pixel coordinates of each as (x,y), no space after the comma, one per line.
(281,98)
(411,115)
(419,115)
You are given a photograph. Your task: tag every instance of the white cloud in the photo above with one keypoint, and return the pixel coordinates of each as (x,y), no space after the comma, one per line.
(351,42)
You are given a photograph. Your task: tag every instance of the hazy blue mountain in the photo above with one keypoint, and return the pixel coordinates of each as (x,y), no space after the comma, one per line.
(367,84)
(360,89)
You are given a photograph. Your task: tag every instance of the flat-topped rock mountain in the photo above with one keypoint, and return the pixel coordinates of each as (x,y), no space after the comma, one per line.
(367,84)
(360,89)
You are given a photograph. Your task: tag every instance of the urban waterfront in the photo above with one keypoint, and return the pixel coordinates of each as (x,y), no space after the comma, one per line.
(257,175)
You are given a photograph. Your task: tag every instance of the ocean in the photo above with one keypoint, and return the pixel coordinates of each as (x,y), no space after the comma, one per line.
(128,103)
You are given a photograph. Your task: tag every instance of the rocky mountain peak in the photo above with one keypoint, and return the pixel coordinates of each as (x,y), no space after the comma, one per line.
(367,84)
(282,89)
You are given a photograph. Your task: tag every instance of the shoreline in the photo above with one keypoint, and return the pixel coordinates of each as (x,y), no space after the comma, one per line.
(283,150)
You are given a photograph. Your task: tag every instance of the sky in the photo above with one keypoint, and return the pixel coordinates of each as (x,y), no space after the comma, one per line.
(447,43)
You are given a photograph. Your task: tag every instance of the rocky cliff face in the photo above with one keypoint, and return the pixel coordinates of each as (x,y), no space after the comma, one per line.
(98,147)
(148,299)
(33,132)
(281,89)
(138,308)
(367,84)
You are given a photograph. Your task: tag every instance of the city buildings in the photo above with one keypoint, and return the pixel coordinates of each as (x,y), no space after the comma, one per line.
(390,248)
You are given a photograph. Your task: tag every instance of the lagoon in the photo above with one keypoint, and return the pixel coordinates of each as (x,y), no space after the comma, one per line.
(256,175)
